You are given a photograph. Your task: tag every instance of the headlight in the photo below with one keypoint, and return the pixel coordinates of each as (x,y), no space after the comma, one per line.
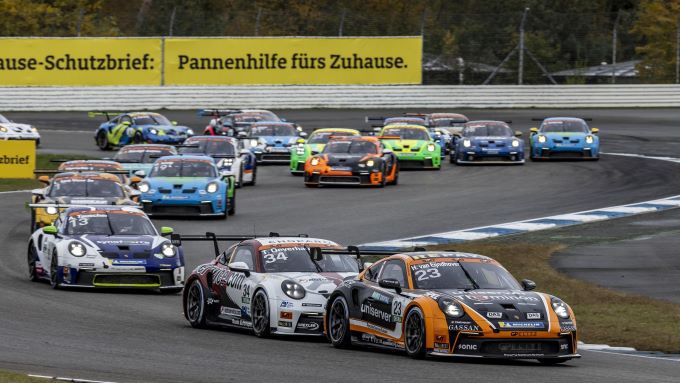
(51,210)
(3,129)
(212,187)
(315,161)
(370,163)
(153,131)
(168,250)
(34,129)
(451,308)
(143,187)
(76,249)
(293,289)
(225,162)
(589,139)
(254,142)
(300,150)
(466,143)
(560,308)
(190,132)
(430,148)
(515,143)
(541,139)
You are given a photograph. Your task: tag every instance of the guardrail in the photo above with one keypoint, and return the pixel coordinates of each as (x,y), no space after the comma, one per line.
(367,97)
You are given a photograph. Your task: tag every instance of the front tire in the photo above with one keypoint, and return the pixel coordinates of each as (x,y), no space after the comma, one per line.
(252,182)
(194,305)
(232,205)
(32,259)
(260,311)
(338,323)
(414,334)
(103,141)
(54,272)
(240,177)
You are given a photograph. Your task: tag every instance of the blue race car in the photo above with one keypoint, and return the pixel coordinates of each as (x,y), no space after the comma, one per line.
(488,142)
(134,158)
(187,185)
(564,137)
(138,128)
(105,247)
(271,142)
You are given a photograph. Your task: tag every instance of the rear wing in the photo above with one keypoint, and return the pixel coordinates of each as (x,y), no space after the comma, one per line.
(108,115)
(411,114)
(177,239)
(543,118)
(217,112)
(68,205)
(389,137)
(318,252)
(53,171)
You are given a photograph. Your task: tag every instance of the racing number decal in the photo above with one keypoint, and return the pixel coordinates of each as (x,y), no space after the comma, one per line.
(273,257)
(397,310)
(429,273)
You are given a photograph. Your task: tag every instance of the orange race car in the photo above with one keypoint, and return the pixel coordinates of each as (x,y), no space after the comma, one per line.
(352,160)
(450,304)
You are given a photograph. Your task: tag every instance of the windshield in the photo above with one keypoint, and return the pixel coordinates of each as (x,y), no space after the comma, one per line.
(297,259)
(85,187)
(444,275)
(183,168)
(351,147)
(446,122)
(571,126)
(3,119)
(272,130)
(407,133)
(143,156)
(209,146)
(452,130)
(109,223)
(322,137)
(152,119)
(487,130)
(255,117)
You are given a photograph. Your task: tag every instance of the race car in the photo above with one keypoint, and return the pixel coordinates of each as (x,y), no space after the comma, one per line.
(187,185)
(229,122)
(229,155)
(105,247)
(564,137)
(413,146)
(79,188)
(272,285)
(138,128)
(450,304)
(271,142)
(450,123)
(488,142)
(314,145)
(352,160)
(10,130)
(140,157)
(104,166)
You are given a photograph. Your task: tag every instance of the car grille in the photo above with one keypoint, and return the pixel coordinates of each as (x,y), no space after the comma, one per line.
(566,154)
(275,157)
(182,210)
(520,347)
(340,180)
(122,280)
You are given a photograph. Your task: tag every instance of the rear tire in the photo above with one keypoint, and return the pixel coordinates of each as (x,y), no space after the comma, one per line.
(252,183)
(103,141)
(396,175)
(338,323)
(138,138)
(260,311)
(194,305)
(414,334)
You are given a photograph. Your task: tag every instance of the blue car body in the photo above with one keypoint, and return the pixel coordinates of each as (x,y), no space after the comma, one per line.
(488,142)
(139,128)
(271,142)
(186,195)
(564,137)
(141,157)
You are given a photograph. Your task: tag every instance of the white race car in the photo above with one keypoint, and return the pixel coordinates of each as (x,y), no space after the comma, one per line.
(272,285)
(105,247)
(12,131)
(231,158)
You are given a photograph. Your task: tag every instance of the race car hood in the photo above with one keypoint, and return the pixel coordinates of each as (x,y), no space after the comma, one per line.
(277,140)
(565,135)
(482,139)
(506,309)
(167,130)
(179,182)
(321,283)
(406,145)
(126,249)
(337,159)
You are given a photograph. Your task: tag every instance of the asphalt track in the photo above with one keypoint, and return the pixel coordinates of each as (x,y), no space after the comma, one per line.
(143,337)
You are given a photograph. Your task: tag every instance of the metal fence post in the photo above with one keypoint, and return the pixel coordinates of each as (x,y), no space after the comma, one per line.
(520,72)
(163,61)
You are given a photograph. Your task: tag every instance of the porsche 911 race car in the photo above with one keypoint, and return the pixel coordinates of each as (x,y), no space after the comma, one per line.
(229,122)
(229,155)
(314,145)
(564,138)
(10,130)
(271,142)
(77,188)
(103,166)
(450,304)
(272,285)
(352,160)
(105,247)
(187,185)
(488,142)
(134,158)
(451,124)
(413,146)
(138,128)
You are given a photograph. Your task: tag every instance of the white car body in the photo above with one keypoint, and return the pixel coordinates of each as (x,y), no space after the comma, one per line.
(10,130)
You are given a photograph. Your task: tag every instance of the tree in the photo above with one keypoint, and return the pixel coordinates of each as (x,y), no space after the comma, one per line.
(656,27)
(54,18)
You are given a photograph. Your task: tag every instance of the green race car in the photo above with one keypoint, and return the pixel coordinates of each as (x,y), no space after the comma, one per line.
(413,145)
(315,143)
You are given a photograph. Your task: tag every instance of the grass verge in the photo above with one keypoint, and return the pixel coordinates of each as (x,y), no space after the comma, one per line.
(603,315)
(15,377)
(42,162)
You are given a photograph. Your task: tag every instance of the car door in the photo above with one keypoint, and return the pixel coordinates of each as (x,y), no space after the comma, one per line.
(382,308)
(237,288)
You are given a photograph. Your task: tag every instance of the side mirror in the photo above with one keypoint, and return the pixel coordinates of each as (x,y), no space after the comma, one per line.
(239,267)
(165,231)
(50,230)
(140,173)
(594,130)
(242,135)
(528,285)
(135,180)
(173,122)
(390,283)
(518,133)
(44,179)
(303,134)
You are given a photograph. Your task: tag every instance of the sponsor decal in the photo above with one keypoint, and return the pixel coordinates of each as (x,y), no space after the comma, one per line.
(567,328)
(499,297)
(468,347)
(523,333)
(286,315)
(312,305)
(463,326)
(376,328)
(241,322)
(212,301)
(129,262)
(377,313)
(309,326)
(286,304)
(380,298)
(494,315)
(521,324)
(86,264)
(285,324)
(377,340)
(533,315)
(230,311)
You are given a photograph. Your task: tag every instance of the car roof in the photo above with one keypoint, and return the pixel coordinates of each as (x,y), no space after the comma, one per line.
(435,116)
(564,118)
(272,123)
(345,130)
(408,126)
(187,157)
(147,146)
(93,175)
(112,164)
(84,209)
(485,122)
(293,241)
(212,138)
(354,138)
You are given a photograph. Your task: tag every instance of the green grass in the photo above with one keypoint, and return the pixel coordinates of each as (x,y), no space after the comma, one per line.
(42,162)
(15,377)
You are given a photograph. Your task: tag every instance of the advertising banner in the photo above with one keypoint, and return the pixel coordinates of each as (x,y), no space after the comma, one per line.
(17,158)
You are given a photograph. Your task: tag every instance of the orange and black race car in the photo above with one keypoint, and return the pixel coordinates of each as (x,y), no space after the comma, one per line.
(450,304)
(352,160)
